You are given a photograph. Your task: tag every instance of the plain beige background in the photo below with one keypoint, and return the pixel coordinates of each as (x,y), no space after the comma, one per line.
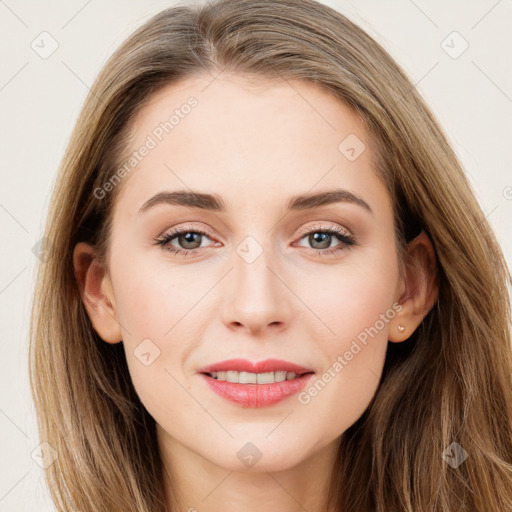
(469,90)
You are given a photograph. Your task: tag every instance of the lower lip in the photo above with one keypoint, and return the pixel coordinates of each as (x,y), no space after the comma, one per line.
(257,395)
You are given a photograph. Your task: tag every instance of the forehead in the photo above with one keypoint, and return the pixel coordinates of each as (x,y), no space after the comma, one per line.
(240,105)
(253,138)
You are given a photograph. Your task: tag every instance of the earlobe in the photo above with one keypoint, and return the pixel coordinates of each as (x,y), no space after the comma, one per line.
(418,290)
(96,292)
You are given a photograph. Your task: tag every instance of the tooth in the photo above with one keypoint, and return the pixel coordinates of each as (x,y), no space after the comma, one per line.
(280,376)
(265,378)
(232,376)
(247,378)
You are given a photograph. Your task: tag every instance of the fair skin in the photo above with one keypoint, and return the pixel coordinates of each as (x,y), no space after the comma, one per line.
(255,147)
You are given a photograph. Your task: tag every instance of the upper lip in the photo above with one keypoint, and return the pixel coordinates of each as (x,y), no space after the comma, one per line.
(244,365)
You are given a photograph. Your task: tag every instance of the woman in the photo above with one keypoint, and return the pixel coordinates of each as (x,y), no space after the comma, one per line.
(272,287)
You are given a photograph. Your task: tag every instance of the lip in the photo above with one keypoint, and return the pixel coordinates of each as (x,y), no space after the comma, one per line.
(243,365)
(256,395)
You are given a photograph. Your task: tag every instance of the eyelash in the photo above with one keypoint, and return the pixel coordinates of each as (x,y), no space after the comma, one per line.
(347,240)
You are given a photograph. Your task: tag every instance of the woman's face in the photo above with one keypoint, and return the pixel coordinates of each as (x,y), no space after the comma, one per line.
(297,264)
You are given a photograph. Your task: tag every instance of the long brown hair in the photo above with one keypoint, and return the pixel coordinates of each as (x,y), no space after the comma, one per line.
(450,383)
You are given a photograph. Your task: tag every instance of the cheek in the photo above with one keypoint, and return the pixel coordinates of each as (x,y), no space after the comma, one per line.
(357,305)
(152,298)
(351,297)
(157,307)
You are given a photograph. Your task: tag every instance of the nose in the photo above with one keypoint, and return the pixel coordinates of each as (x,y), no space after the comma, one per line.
(256,296)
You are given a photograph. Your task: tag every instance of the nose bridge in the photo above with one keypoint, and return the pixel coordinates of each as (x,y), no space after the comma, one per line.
(256,297)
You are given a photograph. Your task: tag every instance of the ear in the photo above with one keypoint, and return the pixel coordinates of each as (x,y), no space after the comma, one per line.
(96,292)
(417,290)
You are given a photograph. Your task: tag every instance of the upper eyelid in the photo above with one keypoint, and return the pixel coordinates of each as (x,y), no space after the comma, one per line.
(320,227)
(208,231)
(186,228)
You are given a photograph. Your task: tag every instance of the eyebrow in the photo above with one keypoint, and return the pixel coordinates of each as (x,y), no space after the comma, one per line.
(214,202)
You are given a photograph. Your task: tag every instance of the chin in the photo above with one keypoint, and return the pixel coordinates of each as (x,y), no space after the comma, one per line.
(259,454)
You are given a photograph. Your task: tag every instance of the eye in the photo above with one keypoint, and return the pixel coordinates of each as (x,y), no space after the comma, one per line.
(188,239)
(321,239)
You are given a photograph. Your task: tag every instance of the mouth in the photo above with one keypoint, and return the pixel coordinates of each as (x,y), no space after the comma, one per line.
(270,381)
